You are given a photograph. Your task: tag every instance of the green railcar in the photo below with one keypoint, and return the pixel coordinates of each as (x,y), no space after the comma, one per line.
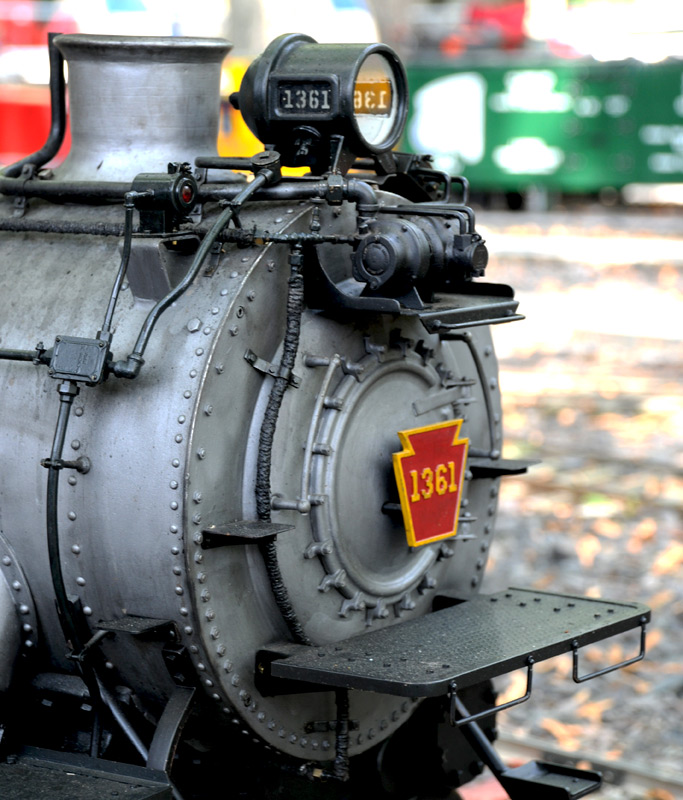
(570,126)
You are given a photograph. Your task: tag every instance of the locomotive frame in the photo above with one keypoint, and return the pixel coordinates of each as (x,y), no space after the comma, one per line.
(354,659)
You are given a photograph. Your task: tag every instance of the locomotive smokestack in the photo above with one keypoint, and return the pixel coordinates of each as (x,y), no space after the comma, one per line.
(137,103)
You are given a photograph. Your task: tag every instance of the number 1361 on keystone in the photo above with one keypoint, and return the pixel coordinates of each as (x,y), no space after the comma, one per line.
(429,472)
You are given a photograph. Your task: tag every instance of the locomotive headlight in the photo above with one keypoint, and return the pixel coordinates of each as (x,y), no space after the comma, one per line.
(299,94)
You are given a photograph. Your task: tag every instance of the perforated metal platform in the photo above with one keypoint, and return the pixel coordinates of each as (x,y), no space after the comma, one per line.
(473,641)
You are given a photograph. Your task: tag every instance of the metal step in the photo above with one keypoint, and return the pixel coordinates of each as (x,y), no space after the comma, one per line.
(540,780)
(36,774)
(468,643)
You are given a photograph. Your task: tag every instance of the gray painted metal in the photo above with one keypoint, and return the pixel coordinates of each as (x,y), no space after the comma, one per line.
(138,103)
(174,451)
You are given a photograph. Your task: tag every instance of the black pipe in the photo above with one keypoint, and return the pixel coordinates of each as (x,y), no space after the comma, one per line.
(68,390)
(19,225)
(129,205)
(58,122)
(84,192)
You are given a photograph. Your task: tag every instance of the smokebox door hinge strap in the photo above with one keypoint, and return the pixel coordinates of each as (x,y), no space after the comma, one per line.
(274,370)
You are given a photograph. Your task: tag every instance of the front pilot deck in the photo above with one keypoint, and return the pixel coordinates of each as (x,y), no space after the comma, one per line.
(470,642)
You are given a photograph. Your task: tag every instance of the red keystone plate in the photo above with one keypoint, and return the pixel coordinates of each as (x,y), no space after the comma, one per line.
(429,472)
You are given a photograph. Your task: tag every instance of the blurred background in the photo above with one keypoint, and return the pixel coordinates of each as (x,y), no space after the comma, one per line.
(566,116)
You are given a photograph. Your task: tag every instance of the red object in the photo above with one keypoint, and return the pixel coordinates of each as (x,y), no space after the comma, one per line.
(502,24)
(430,472)
(25,122)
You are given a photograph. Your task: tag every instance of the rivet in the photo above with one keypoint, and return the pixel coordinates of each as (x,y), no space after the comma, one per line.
(177,570)
(7,561)
(215,696)
(78,411)
(208,682)
(214,633)
(198,538)
(219,368)
(108,665)
(80,581)
(124,286)
(174,506)
(201,666)
(244,259)
(194,649)
(196,519)
(235,680)
(72,480)
(194,325)
(475,581)
(491,510)
(206,331)
(193,373)
(187,394)
(208,410)
(488,350)
(179,590)
(234,274)
(210,614)
(27,628)
(227,665)
(261,717)
(175,463)
(215,310)
(201,453)
(188,630)
(234,330)
(24,609)
(183,611)
(175,550)
(278,220)
(220,650)
(75,445)
(28,643)
(179,437)
(174,529)
(224,292)
(199,351)
(199,556)
(87,611)
(173,484)
(251,295)
(197,497)
(71,515)
(201,577)
(75,549)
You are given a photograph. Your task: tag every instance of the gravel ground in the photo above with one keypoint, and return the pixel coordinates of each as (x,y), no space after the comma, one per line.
(592,385)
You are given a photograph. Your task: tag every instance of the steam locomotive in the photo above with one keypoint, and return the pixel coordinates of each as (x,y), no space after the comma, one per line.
(251,446)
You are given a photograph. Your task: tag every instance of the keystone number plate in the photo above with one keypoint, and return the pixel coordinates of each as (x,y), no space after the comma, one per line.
(430,471)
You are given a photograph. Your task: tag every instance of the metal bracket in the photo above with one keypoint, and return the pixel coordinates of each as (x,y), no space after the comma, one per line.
(276,371)
(241,532)
(575,657)
(456,706)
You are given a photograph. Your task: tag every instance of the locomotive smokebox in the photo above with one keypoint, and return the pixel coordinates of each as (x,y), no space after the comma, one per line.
(136,103)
